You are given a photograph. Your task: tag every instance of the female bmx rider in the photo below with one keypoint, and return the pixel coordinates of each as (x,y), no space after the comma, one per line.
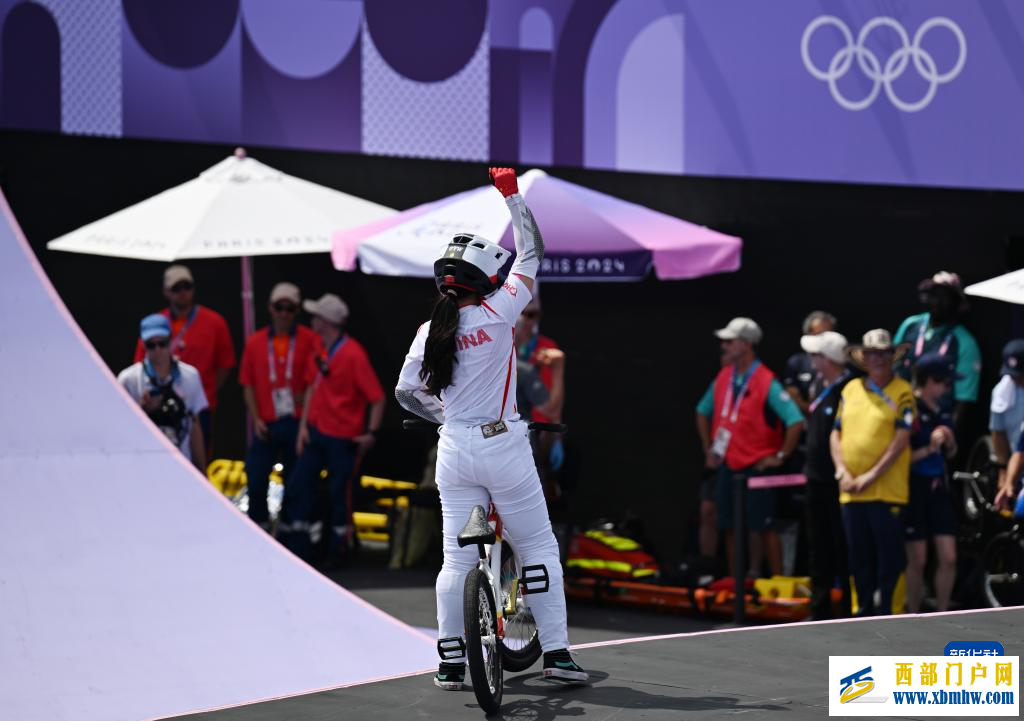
(461,371)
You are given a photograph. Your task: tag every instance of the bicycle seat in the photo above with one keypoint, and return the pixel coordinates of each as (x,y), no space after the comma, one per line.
(477,530)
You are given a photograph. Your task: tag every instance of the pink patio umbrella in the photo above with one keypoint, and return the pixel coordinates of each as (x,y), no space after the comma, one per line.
(588,236)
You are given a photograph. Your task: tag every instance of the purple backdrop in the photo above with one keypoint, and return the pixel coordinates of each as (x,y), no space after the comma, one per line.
(888,91)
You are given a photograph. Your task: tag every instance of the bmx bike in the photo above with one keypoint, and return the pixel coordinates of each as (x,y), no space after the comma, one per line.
(1002,560)
(501,632)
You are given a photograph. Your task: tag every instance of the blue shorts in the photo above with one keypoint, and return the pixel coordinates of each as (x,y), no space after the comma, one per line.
(760,506)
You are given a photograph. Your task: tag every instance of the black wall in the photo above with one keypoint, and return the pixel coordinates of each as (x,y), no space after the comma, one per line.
(640,354)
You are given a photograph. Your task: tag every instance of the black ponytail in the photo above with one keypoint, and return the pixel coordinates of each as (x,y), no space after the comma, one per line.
(439,353)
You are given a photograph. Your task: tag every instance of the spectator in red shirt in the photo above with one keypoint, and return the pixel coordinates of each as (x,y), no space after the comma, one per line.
(547,359)
(199,337)
(273,379)
(334,430)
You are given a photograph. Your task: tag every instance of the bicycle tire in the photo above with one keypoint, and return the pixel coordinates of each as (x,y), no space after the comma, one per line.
(520,645)
(483,653)
(1002,571)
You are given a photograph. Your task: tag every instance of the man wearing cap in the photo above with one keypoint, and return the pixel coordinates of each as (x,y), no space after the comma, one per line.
(939,330)
(334,430)
(1006,417)
(930,511)
(169,390)
(273,379)
(826,538)
(542,356)
(199,336)
(800,373)
(747,422)
(871,451)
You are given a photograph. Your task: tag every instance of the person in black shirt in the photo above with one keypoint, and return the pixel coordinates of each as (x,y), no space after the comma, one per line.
(799,374)
(826,539)
(930,511)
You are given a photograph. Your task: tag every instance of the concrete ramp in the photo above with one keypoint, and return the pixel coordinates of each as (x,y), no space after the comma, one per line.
(129,588)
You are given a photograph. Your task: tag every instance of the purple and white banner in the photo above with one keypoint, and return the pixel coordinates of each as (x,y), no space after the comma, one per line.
(880,91)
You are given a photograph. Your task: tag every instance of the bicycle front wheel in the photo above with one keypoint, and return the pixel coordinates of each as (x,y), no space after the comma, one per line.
(1003,571)
(483,649)
(520,646)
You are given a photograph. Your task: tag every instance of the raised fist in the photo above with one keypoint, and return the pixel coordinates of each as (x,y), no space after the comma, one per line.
(504,179)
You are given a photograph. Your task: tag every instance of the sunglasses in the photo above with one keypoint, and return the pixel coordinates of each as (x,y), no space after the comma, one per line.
(154,344)
(531,314)
(182,286)
(285,308)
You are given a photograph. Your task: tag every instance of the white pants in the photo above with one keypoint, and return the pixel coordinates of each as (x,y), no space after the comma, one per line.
(471,471)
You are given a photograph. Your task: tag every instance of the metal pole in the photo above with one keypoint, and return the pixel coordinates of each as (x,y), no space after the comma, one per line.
(248,322)
(739,555)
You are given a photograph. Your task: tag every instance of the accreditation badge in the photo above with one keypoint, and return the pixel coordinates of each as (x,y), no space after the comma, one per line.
(284,402)
(721,442)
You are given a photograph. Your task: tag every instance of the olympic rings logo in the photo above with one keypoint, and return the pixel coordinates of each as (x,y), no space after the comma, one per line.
(882,76)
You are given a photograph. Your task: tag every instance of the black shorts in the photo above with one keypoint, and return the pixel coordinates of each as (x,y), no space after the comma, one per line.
(930,511)
(707,486)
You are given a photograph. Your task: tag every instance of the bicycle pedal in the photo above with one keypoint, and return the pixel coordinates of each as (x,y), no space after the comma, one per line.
(535,579)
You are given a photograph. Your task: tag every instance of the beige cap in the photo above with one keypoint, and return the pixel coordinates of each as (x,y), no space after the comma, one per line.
(285,291)
(329,307)
(175,274)
(830,344)
(742,328)
(878,339)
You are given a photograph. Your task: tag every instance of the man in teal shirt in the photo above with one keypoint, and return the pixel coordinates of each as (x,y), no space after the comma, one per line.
(939,331)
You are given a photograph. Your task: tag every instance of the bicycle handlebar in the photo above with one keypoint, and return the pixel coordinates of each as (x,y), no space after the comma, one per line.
(410,424)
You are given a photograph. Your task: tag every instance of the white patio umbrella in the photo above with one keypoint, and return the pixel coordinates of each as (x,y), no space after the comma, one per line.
(1008,287)
(238,208)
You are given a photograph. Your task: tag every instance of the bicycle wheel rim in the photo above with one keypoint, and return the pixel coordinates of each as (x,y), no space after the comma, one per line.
(1003,566)
(520,645)
(483,649)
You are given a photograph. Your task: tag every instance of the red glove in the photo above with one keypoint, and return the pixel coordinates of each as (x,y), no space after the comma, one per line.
(504,179)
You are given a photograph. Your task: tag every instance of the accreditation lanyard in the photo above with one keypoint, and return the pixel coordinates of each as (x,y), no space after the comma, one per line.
(874,388)
(154,379)
(919,346)
(828,389)
(271,360)
(178,342)
(739,394)
(325,364)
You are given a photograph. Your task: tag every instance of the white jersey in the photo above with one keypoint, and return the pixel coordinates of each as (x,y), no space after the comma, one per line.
(187,384)
(483,388)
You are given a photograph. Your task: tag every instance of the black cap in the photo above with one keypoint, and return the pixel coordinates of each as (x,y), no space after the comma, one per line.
(934,365)
(1013,358)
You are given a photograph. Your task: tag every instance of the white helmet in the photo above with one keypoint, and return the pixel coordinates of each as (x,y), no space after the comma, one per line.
(471,262)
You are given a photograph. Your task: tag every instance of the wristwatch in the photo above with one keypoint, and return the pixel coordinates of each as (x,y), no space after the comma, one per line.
(781,455)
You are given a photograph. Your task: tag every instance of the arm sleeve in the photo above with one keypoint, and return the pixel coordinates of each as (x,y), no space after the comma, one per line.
(529,243)
(906,411)
(968,364)
(196,399)
(706,405)
(782,405)
(246,376)
(507,301)
(369,384)
(901,332)
(409,391)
